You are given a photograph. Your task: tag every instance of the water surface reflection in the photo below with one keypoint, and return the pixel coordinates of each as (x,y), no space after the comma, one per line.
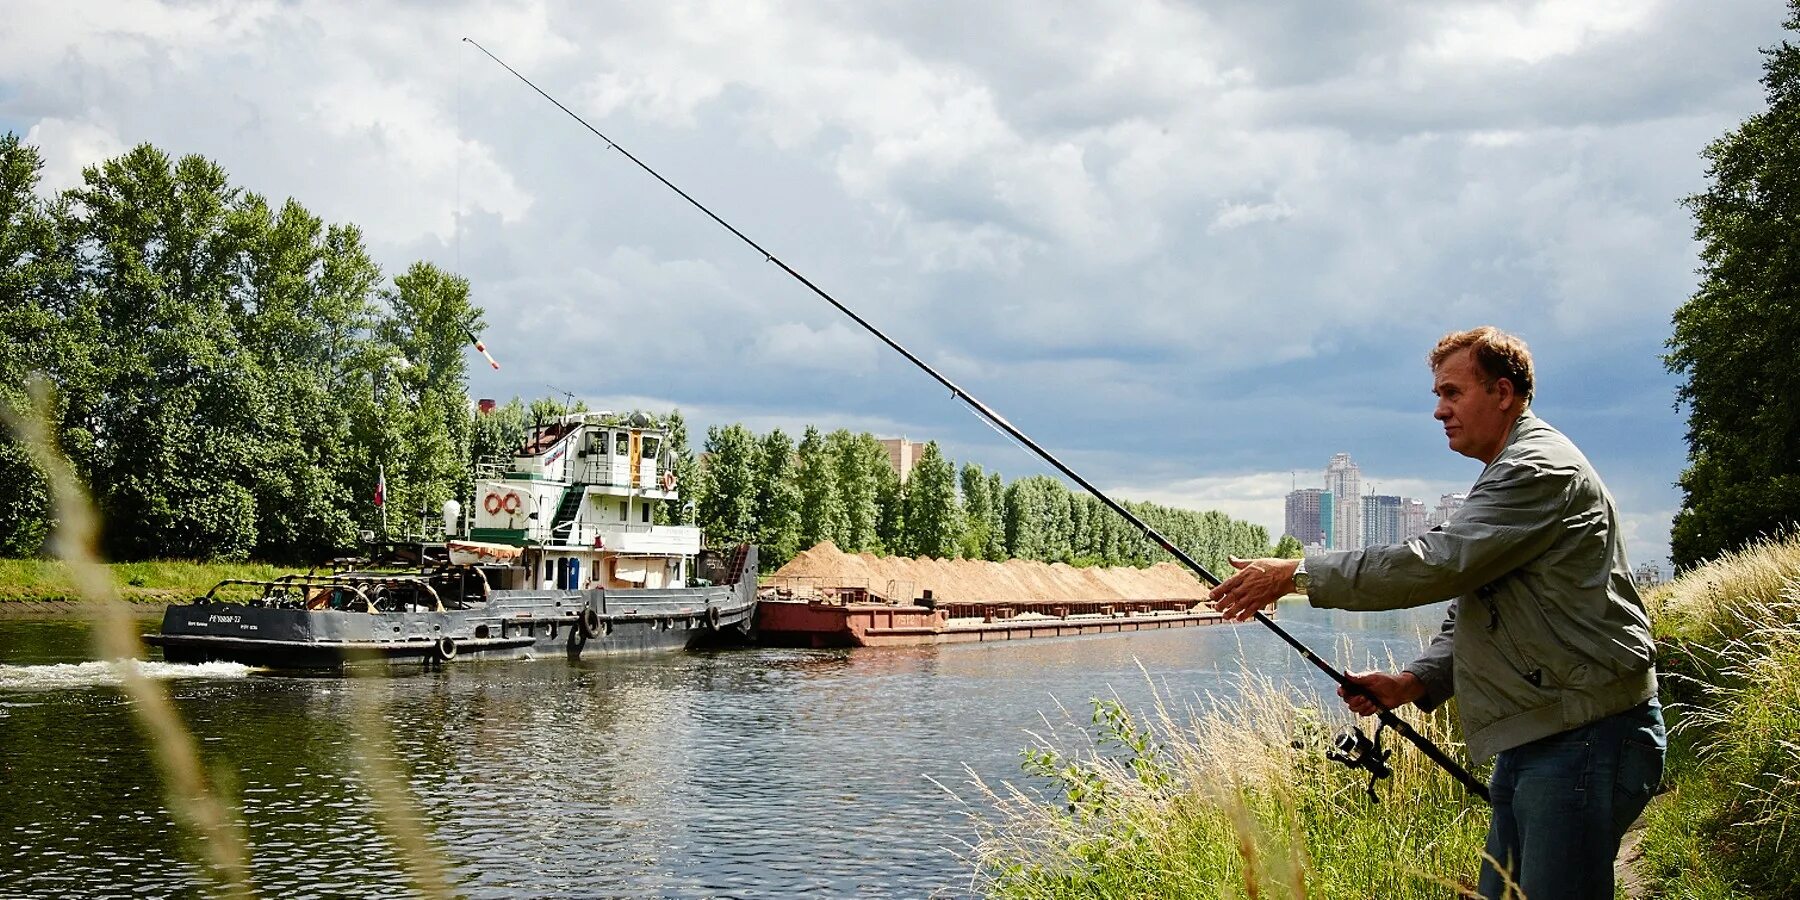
(753,773)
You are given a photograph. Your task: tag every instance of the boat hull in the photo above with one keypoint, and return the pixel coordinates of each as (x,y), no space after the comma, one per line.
(510,624)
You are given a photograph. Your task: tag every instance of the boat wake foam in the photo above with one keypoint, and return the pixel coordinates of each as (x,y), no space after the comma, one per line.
(59,676)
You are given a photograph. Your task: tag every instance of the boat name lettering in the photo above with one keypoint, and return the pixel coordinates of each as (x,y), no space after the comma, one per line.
(224,620)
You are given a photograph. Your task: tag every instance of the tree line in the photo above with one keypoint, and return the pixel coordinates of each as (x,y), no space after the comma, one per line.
(840,487)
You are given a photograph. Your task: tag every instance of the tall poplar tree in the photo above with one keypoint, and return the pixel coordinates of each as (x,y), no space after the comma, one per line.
(777,502)
(727,509)
(975,502)
(933,521)
(821,511)
(1734,340)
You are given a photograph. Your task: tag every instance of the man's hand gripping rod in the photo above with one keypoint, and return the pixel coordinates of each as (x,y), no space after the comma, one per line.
(1387,716)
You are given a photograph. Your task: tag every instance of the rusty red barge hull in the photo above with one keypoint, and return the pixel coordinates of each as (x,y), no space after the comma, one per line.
(828,623)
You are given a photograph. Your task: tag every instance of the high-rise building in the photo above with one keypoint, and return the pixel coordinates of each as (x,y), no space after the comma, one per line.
(1309,517)
(1381,519)
(1412,518)
(1344,482)
(1447,506)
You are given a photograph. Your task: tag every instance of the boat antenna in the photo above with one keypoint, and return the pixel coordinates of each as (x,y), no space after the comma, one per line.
(1387,716)
(568,396)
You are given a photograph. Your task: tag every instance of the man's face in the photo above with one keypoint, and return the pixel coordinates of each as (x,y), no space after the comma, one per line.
(1477,413)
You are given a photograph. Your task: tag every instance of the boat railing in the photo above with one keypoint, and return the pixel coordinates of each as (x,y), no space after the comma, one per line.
(583,533)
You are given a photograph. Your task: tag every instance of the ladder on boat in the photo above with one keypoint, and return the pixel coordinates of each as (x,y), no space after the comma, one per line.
(562,527)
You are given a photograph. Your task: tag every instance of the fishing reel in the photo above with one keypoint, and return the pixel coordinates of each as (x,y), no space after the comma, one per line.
(1359,751)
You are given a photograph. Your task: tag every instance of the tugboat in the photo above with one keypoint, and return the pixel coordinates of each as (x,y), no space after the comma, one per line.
(560,556)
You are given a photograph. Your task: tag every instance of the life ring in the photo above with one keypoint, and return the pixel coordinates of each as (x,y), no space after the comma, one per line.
(589,623)
(445,649)
(511,504)
(492,504)
(668,480)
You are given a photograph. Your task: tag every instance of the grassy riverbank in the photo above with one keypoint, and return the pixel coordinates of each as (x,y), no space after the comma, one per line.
(1729,641)
(37,584)
(1241,803)
(1235,802)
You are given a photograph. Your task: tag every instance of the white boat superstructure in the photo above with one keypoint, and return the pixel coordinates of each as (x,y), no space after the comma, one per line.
(580,499)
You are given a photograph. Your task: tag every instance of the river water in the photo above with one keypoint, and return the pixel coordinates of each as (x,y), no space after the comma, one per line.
(744,773)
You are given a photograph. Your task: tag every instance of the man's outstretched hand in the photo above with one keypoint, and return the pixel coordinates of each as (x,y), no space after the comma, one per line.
(1394,691)
(1258,583)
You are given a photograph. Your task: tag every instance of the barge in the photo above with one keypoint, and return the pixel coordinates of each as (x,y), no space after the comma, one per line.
(855,617)
(561,555)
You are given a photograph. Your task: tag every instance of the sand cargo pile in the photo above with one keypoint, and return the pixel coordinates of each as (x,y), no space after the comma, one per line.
(825,597)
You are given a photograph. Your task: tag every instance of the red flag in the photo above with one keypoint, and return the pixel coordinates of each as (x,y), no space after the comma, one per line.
(381,486)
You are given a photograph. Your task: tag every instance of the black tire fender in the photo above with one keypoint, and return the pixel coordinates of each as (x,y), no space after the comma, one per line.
(712,617)
(589,623)
(444,650)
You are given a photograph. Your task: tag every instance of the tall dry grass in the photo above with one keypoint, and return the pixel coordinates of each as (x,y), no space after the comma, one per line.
(1729,648)
(1232,799)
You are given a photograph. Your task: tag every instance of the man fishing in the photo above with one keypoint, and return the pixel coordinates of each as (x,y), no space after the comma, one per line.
(1546,644)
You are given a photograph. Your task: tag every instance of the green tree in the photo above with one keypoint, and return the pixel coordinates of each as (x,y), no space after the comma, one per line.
(301,310)
(175,432)
(1024,520)
(856,487)
(727,507)
(821,511)
(777,502)
(428,429)
(890,510)
(976,501)
(36,339)
(996,519)
(933,520)
(1734,340)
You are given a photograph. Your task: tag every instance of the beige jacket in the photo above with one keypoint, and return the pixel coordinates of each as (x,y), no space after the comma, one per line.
(1546,632)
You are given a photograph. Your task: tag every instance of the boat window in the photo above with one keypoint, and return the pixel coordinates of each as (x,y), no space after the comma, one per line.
(649,447)
(621,444)
(645,509)
(623,511)
(597,442)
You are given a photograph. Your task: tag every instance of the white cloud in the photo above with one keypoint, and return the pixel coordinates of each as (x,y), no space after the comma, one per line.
(1530,32)
(68,146)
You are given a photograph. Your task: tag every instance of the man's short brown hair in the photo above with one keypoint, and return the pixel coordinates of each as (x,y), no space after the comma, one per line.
(1500,355)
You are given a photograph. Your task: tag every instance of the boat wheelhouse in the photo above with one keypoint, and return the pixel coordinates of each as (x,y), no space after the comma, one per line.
(580,498)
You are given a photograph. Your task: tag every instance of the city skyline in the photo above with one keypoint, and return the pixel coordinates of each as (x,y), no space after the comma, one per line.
(1341,516)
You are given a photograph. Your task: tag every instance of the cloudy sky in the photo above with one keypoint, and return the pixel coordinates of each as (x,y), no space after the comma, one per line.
(1195,248)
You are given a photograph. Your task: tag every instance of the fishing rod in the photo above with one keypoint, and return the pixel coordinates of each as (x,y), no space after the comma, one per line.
(1360,752)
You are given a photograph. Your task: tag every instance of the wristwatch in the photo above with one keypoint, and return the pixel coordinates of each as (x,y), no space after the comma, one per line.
(1302,580)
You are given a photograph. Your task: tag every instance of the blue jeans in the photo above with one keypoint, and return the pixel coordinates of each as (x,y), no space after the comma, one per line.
(1562,803)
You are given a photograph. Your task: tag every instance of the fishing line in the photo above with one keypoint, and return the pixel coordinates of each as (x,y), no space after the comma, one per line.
(1386,716)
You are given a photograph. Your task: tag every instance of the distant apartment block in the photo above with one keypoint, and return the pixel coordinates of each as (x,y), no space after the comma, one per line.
(1412,518)
(1381,520)
(1309,517)
(902,455)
